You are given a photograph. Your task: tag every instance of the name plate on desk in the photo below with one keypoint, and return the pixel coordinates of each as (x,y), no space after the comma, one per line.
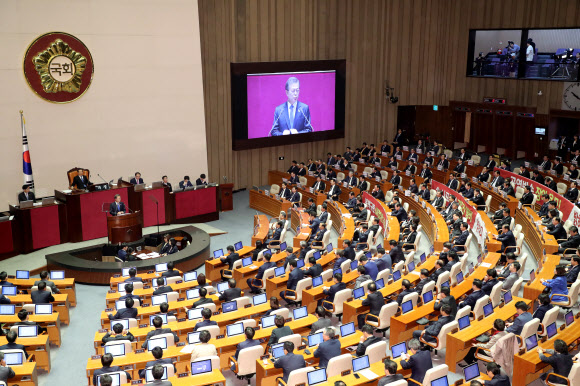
(102,330)
(109,309)
(424,204)
(179,282)
(116,275)
(139,350)
(111,291)
(439,167)
(553,172)
(181,319)
(180,299)
(344,373)
(247,306)
(474,180)
(95,357)
(143,325)
(137,382)
(180,344)
(287,320)
(405,148)
(463,175)
(407,172)
(398,157)
(150,271)
(182,375)
(470,162)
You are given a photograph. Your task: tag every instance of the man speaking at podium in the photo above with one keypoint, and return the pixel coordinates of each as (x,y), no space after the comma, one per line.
(116,208)
(291,117)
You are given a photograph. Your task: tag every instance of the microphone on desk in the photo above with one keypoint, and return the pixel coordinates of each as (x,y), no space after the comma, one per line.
(153,199)
(274,124)
(307,120)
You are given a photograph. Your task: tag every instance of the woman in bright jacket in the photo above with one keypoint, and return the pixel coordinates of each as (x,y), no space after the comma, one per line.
(558,285)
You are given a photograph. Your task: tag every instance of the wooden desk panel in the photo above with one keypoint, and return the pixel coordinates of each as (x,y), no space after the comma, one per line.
(261,228)
(242,274)
(268,204)
(39,346)
(60,305)
(300,219)
(50,322)
(66,286)
(311,296)
(492,244)
(213,266)
(26,375)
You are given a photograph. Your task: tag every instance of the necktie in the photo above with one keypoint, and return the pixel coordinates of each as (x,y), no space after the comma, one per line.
(291,116)
(118,208)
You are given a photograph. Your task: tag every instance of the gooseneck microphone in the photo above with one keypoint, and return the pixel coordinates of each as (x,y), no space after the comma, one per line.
(274,124)
(307,120)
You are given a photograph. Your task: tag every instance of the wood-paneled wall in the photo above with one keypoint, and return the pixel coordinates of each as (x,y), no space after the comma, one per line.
(418,46)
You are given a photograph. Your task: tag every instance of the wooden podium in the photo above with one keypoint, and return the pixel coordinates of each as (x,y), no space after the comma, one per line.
(226,197)
(125,228)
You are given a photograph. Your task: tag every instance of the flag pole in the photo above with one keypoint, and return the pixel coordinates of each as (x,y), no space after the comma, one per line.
(26,164)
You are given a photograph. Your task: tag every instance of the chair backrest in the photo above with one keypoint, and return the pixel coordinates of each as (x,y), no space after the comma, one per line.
(122,376)
(442,279)
(211,306)
(299,376)
(137,285)
(339,364)
(463,261)
(512,223)
(448,153)
(237,264)
(478,308)
(247,360)
(29,307)
(409,257)
(327,275)
(517,230)
(241,302)
(417,241)
(462,312)
(516,287)
(301,286)
(267,273)
(340,176)
(339,299)
(173,296)
(561,187)
(365,284)
(377,351)
(274,189)
(387,311)
(567,225)
(294,338)
(412,297)
(529,328)
(519,192)
(476,159)
(345,266)
(551,316)
(368,170)
(573,292)
(435,373)
(495,295)
(172,279)
(249,323)
(446,329)
(303,181)
(326,238)
(523,260)
(399,266)
(406,206)
(388,196)
(170,338)
(354,167)
(384,175)
(213,330)
(454,271)
(430,286)
(35,288)
(574,376)
(384,274)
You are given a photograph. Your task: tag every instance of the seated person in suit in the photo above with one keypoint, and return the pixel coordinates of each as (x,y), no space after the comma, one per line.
(439,264)
(203,299)
(166,183)
(458,244)
(128,312)
(407,289)
(171,272)
(572,192)
(161,288)
(317,239)
(478,198)
(302,171)
(528,196)
(289,361)
(129,293)
(285,192)
(432,331)
(523,317)
(545,305)
(203,349)
(157,323)
(508,241)
(319,185)
(107,361)
(383,259)
(375,301)
(322,322)
(551,184)
(410,239)
(484,175)
(133,276)
(391,375)
(3,281)
(378,193)
(444,297)
(329,347)
(362,215)
(294,197)
(231,293)
(255,283)
(44,278)
(276,232)
(294,277)
(137,179)
(573,270)
(399,212)
(122,254)
(362,276)
(418,362)
(352,201)
(424,279)
(117,207)
(508,189)
(334,191)
(280,331)
(157,372)
(361,237)
(26,194)
(331,291)
(489,281)
(119,334)
(560,360)
(206,314)
(11,337)
(24,321)
(42,295)
(157,353)
(274,305)
(498,333)
(315,268)
(186,183)
(171,248)
(202,180)
(572,243)
(460,168)
(512,276)
(366,339)
(293,180)
(229,259)
(473,297)
(370,266)
(249,332)
(536,176)
(80,182)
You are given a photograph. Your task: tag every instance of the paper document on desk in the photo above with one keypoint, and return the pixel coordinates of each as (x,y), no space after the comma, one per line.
(253,267)
(187,349)
(142,256)
(486,265)
(347,215)
(153,254)
(415,273)
(368,374)
(305,233)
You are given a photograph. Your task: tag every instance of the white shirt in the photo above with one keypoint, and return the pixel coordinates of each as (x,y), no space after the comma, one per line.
(290,111)
(530,54)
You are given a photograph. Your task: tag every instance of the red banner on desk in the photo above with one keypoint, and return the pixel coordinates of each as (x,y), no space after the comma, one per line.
(377,210)
(45,226)
(151,200)
(569,210)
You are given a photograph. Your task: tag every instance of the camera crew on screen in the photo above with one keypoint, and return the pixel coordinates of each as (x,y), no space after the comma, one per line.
(291,117)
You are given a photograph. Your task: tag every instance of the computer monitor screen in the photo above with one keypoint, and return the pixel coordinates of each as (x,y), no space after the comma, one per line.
(43,309)
(278,350)
(235,329)
(229,306)
(445,284)
(411,266)
(121,286)
(238,246)
(192,294)
(316,376)
(125,271)
(279,271)
(161,267)
(7,309)
(190,276)
(540,130)
(9,290)
(353,265)
(427,297)
(193,337)
(299,263)
(360,363)
(380,283)
(194,313)
(317,281)
(283,246)
(337,271)
(115,377)
(507,297)
(120,304)
(27,331)
(259,299)
(56,275)
(155,284)
(551,330)
(471,268)
(471,372)
(531,342)
(423,257)
(317,255)
(329,247)
(459,277)
(122,322)
(464,322)
(149,374)
(569,318)
(246,261)
(201,367)
(299,313)
(221,287)
(369,255)
(13,358)
(347,329)
(399,349)
(314,339)
(431,249)
(162,316)
(158,299)
(157,342)
(116,350)
(407,306)
(23,274)
(268,321)
(488,309)
(396,275)
(218,253)
(440,381)
(358,292)
(479,259)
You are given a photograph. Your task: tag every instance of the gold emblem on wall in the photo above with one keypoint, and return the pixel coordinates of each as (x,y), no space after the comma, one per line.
(58,67)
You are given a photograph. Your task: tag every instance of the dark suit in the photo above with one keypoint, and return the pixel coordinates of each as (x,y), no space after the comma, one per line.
(80,183)
(331,292)
(199,182)
(279,332)
(527,198)
(349,253)
(433,330)
(326,351)
(169,186)
(260,275)
(230,294)
(460,240)
(571,194)
(29,323)
(483,177)
(319,186)
(507,240)
(362,347)
(159,331)
(490,165)
(404,293)
(183,185)
(22,197)
(396,180)
(379,195)
(162,290)
(498,380)
(559,232)
(334,192)
(111,338)
(285,193)
(390,379)
(453,184)
(171,273)
(115,208)
(488,286)
(289,363)
(230,259)
(315,270)
(419,364)
(202,301)
(396,254)
(204,323)
(282,120)
(40,297)
(572,243)
(426,173)
(497,181)
(471,299)
(444,164)
(450,301)
(107,370)
(14,346)
(572,274)
(375,301)
(438,202)
(162,361)
(293,278)
(125,313)
(245,344)
(561,363)
(136,181)
(6,373)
